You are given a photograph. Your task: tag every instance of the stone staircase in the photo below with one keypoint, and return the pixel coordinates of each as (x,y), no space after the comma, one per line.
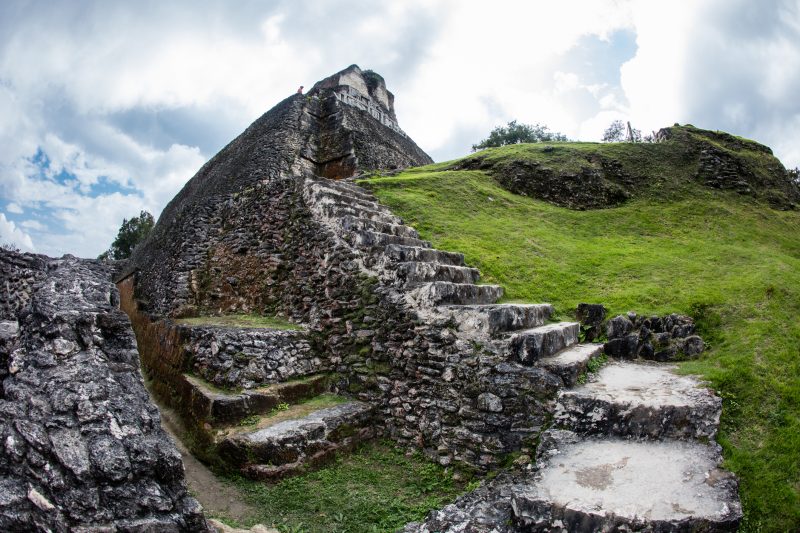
(631,450)
(441,287)
(276,430)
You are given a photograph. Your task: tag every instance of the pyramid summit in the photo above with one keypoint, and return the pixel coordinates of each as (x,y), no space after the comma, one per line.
(345,125)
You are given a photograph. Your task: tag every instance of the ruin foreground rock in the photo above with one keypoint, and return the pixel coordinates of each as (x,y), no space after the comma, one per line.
(83,448)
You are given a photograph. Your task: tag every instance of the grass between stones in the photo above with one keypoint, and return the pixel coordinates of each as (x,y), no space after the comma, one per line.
(240,321)
(376,488)
(285,411)
(731,263)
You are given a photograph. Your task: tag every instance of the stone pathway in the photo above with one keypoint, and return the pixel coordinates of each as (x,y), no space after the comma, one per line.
(631,450)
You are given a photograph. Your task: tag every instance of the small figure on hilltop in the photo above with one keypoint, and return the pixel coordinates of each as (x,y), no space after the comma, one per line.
(300,90)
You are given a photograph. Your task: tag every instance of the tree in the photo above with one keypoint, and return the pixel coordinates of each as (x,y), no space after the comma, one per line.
(130,234)
(618,132)
(615,132)
(514,133)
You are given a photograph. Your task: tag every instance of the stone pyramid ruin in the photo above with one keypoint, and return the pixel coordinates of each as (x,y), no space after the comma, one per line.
(393,339)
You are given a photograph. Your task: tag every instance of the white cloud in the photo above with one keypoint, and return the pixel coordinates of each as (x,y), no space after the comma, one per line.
(11,234)
(14,208)
(33,225)
(489,66)
(732,65)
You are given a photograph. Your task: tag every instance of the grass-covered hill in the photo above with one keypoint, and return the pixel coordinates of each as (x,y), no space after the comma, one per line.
(703,223)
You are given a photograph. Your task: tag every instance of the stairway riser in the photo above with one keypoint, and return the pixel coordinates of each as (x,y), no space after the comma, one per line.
(427,272)
(220,410)
(540,516)
(319,458)
(354,224)
(370,240)
(424,255)
(589,416)
(325,197)
(460,295)
(293,448)
(337,212)
(528,348)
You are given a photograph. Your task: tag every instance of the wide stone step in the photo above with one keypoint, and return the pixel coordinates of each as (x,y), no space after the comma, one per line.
(446,293)
(403,254)
(208,404)
(415,272)
(349,223)
(498,318)
(570,363)
(346,188)
(623,485)
(530,345)
(641,401)
(297,439)
(344,185)
(323,195)
(336,211)
(371,239)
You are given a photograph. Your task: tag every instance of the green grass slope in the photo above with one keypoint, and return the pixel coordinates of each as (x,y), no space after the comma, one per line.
(676,245)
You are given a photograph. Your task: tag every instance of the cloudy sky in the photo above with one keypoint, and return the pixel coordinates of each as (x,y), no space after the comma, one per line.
(108,108)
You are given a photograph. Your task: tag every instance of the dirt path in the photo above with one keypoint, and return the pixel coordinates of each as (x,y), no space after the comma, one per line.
(218,497)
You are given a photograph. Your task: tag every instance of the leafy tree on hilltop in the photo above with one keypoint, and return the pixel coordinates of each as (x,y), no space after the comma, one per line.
(130,234)
(515,133)
(615,132)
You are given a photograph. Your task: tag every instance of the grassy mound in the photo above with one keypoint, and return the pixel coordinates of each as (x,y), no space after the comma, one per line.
(677,245)
(594,175)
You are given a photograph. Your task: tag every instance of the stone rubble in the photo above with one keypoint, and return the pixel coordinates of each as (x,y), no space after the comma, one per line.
(667,338)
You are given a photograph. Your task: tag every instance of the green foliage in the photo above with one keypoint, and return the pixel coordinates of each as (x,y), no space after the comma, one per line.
(251,420)
(615,133)
(596,363)
(131,233)
(376,488)
(676,247)
(515,133)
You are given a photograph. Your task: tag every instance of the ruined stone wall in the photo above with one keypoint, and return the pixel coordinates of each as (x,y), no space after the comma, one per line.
(433,391)
(247,358)
(83,446)
(195,220)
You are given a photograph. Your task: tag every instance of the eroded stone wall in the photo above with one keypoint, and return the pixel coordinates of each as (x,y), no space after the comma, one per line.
(247,358)
(83,449)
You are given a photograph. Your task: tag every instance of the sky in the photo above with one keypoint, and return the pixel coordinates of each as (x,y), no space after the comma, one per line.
(107,108)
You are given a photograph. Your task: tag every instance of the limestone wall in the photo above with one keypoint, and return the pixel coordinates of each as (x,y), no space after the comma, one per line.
(248,358)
